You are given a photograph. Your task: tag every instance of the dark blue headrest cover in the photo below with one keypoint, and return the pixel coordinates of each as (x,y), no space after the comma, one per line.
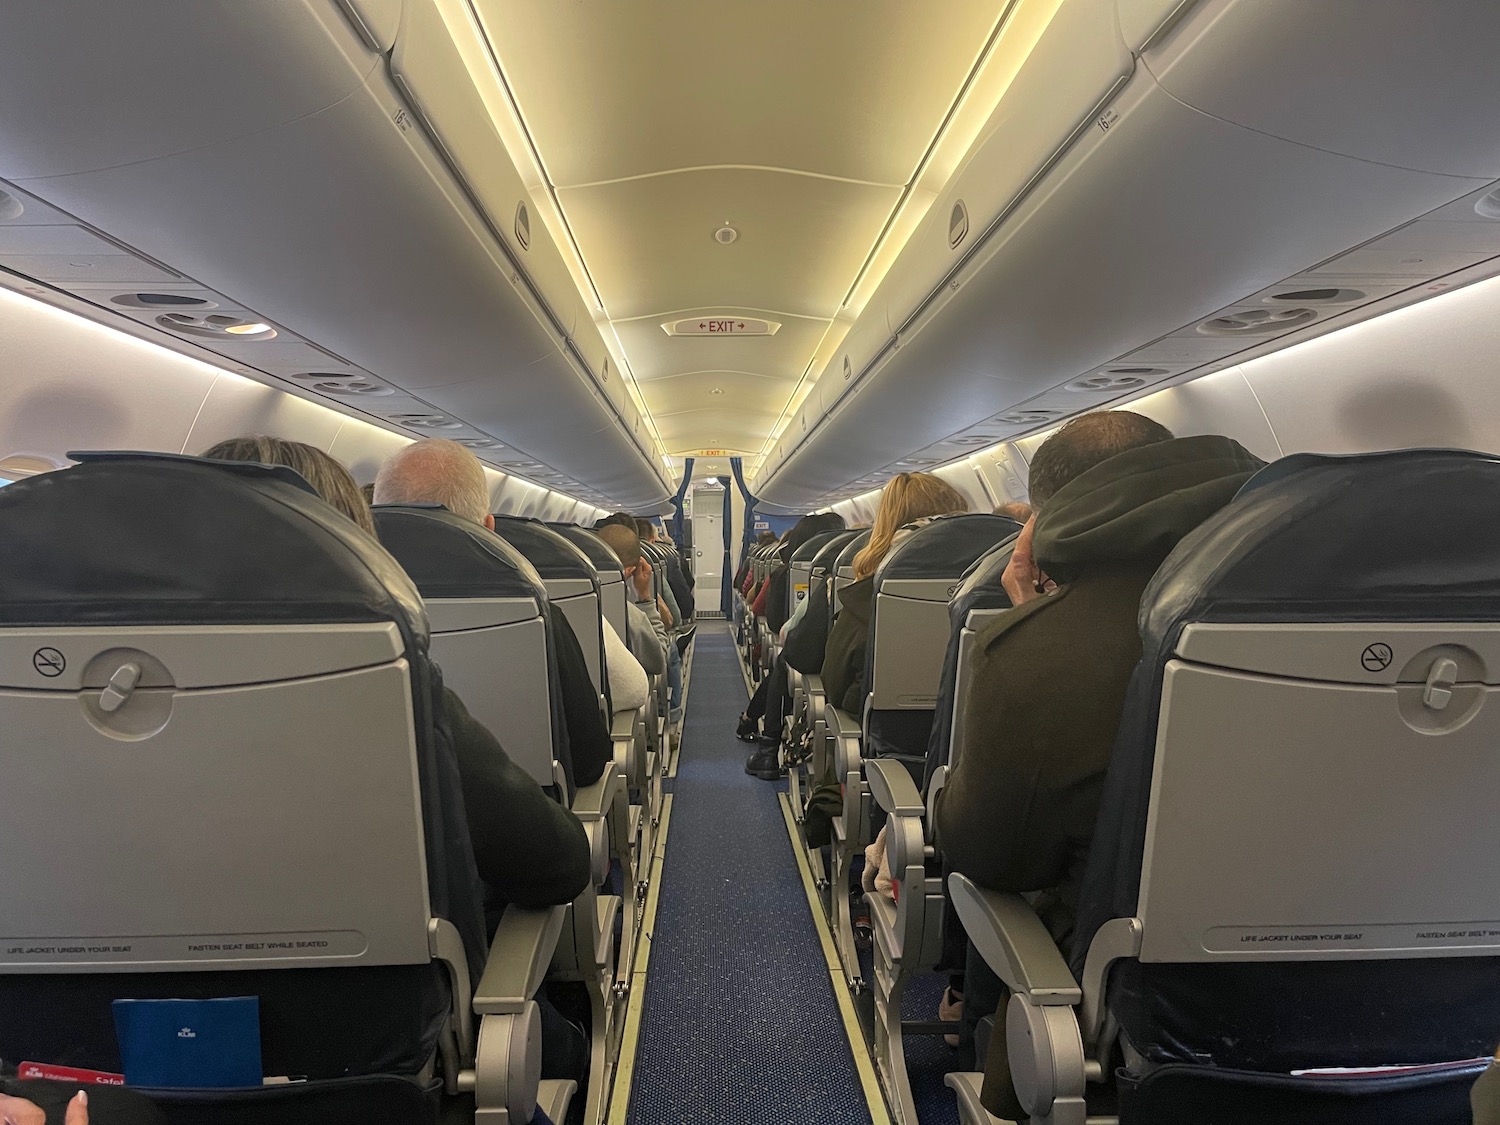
(451,557)
(126,538)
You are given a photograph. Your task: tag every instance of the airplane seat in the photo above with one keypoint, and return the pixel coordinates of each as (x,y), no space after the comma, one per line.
(1293,868)
(881,764)
(611,575)
(572,584)
(228,774)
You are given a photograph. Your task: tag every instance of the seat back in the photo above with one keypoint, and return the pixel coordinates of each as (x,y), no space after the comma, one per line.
(226,770)
(607,568)
(799,571)
(843,566)
(487,608)
(910,629)
(1297,821)
(571,580)
(979,597)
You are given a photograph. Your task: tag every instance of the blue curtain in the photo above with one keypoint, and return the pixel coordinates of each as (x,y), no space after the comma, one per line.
(682,491)
(727,568)
(736,467)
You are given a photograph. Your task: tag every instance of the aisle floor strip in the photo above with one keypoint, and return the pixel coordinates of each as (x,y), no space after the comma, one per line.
(863,1061)
(619,1104)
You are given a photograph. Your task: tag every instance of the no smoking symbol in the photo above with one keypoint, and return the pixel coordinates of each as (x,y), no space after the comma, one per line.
(49,662)
(1376,657)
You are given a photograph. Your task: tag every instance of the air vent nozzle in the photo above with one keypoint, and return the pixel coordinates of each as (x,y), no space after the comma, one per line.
(426,421)
(1029,417)
(1106,381)
(344,384)
(218,326)
(1257,322)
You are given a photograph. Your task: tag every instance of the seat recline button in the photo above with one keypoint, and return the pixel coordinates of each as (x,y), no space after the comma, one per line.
(1440,680)
(120,687)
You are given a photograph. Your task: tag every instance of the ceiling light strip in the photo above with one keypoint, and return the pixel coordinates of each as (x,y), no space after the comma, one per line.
(556,212)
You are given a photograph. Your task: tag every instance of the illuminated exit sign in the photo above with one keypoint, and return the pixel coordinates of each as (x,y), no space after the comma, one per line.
(721,326)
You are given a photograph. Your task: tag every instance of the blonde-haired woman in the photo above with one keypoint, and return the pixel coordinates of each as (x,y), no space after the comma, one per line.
(906,498)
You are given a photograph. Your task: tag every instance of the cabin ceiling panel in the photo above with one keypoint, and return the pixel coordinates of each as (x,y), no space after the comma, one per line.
(851,88)
(650,242)
(655,355)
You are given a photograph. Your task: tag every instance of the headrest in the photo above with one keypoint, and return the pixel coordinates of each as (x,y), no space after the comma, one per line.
(1408,534)
(852,548)
(600,553)
(809,550)
(451,557)
(140,538)
(980,587)
(553,555)
(828,554)
(945,546)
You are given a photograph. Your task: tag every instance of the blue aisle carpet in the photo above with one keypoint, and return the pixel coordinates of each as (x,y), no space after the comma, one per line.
(740,1023)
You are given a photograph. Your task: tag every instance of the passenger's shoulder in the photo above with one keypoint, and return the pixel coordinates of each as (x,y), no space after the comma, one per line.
(1012,619)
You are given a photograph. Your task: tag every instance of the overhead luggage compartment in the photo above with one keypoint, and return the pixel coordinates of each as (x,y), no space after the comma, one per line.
(267,152)
(1193,155)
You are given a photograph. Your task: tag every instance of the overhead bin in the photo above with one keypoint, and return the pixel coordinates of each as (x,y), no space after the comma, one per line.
(266,151)
(1132,182)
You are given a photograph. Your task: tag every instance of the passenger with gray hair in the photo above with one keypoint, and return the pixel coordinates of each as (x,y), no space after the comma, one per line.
(439,471)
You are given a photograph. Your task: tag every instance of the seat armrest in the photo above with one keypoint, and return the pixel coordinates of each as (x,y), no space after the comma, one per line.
(623,725)
(593,802)
(518,960)
(892,787)
(846,733)
(1010,937)
(841,724)
(935,786)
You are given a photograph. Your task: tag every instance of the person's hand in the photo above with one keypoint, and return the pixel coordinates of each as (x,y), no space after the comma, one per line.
(19,1111)
(642,579)
(1023,579)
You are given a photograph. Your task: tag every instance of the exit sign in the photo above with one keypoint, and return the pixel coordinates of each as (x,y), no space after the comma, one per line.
(713,453)
(721,326)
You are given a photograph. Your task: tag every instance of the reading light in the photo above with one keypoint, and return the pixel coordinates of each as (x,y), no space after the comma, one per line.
(254,328)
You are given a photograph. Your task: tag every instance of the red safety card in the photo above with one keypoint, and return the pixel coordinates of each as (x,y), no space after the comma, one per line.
(69,1074)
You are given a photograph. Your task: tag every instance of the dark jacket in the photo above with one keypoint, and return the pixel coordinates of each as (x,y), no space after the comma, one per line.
(530,850)
(589,750)
(848,643)
(682,588)
(1049,677)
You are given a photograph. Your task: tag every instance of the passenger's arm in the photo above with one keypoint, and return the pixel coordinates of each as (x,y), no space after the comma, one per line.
(644,642)
(807,636)
(628,686)
(530,849)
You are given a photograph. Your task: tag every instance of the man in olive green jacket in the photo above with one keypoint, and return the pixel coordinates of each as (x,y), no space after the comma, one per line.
(1114,493)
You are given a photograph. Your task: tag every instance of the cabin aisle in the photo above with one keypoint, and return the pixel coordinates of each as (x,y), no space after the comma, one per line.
(740,1023)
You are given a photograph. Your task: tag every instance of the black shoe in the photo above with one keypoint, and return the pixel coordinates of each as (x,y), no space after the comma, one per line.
(765,764)
(748,730)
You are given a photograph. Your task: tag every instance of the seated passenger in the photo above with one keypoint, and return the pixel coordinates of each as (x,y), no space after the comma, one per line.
(906,498)
(766,712)
(647,633)
(1114,493)
(529,849)
(677,578)
(438,471)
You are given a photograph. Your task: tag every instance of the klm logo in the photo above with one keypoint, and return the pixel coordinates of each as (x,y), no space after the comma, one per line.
(187,1033)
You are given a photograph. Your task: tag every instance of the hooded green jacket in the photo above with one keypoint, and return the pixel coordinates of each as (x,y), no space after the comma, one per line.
(1049,677)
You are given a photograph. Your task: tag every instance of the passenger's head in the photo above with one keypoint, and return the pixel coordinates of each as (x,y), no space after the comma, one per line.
(368,492)
(436,471)
(1017,510)
(764,537)
(624,542)
(328,478)
(906,497)
(809,526)
(1086,442)
(618,519)
(646,529)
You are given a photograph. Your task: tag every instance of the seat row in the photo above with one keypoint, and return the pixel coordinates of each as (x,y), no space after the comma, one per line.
(229,772)
(1290,860)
